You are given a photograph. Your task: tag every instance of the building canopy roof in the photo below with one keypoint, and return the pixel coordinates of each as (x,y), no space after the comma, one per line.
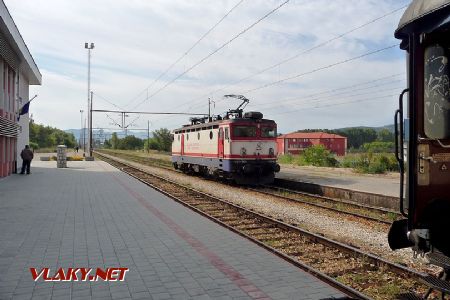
(11,33)
(311,135)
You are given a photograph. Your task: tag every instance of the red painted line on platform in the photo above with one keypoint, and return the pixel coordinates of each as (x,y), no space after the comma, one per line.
(244,284)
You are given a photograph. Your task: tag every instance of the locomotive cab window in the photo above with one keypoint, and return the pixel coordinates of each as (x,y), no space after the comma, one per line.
(437,91)
(268,132)
(244,131)
(227,134)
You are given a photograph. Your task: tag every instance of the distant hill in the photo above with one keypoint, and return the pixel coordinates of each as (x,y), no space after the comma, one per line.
(391,128)
(106,134)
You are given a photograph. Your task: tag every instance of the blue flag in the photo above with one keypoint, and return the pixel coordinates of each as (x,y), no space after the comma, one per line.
(24,110)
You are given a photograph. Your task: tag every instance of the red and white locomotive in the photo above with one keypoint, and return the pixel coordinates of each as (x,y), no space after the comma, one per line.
(240,146)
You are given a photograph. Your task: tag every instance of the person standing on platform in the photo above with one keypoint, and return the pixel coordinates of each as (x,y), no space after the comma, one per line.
(27,156)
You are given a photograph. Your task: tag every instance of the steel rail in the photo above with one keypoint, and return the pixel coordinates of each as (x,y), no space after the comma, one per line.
(323,206)
(300,193)
(365,256)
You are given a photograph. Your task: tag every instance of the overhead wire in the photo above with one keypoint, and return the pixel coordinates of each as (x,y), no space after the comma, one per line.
(300,53)
(213,52)
(345,88)
(335,104)
(320,69)
(187,51)
(324,97)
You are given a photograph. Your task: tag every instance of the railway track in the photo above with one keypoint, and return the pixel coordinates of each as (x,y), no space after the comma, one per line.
(357,273)
(371,213)
(353,209)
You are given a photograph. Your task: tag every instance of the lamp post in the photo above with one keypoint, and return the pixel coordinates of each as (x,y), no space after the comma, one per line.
(89,47)
(82,129)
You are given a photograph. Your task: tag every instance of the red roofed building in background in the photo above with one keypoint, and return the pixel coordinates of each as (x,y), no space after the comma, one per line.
(296,142)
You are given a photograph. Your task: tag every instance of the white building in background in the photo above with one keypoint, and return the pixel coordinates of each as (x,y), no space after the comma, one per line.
(17,72)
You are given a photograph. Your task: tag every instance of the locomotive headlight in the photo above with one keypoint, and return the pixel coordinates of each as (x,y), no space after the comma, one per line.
(271,152)
(243,151)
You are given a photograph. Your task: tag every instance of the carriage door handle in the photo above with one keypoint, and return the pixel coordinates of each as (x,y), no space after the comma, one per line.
(422,160)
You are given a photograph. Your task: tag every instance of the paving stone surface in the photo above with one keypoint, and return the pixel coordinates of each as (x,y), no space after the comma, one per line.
(91,215)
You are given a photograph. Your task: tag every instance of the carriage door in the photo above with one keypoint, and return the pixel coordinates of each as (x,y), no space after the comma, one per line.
(221,143)
(433,150)
(182,144)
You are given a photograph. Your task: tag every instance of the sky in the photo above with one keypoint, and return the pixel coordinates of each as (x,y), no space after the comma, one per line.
(308,64)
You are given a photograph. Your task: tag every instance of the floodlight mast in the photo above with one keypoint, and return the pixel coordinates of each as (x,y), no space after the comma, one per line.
(89,47)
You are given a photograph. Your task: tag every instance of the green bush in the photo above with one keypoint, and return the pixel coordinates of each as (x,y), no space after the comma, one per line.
(379,147)
(285,158)
(319,156)
(34,146)
(372,163)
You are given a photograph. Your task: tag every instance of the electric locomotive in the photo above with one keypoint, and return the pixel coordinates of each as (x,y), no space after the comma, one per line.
(423,137)
(239,146)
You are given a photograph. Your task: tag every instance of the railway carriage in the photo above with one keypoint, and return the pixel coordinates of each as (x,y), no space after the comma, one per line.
(423,138)
(242,148)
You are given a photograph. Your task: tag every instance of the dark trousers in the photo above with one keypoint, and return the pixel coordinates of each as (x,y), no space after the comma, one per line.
(25,164)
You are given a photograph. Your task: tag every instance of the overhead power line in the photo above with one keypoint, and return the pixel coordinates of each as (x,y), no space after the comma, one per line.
(302,53)
(214,52)
(187,51)
(107,101)
(319,69)
(335,104)
(313,97)
(330,91)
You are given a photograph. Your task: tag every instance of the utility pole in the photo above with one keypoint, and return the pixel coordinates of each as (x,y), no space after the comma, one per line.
(209,109)
(89,47)
(81,127)
(84,135)
(148,136)
(90,126)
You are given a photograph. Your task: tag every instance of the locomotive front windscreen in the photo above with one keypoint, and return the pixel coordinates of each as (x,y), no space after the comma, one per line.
(244,131)
(268,132)
(437,92)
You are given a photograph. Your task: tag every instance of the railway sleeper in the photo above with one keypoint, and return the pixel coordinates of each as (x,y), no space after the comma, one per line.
(239,222)
(269,238)
(248,227)
(270,230)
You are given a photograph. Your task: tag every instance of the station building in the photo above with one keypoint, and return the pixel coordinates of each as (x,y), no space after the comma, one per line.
(17,72)
(296,142)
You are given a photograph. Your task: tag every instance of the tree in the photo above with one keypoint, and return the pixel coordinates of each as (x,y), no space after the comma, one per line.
(385,135)
(151,144)
(107,144)
(357,136)
(130,142)
(114,141)
(46,136)
(164,139)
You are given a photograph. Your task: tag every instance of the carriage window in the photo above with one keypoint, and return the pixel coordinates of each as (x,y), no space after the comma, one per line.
(244,131)
(178,137)
(268,132)
(210,135)
(187,137)
(437,92)
(227,134)
(198,135)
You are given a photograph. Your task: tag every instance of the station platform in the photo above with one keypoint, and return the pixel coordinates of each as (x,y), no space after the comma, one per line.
(386,185)
(91,215)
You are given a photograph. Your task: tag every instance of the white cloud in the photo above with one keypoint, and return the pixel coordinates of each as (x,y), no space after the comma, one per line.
(137,40)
